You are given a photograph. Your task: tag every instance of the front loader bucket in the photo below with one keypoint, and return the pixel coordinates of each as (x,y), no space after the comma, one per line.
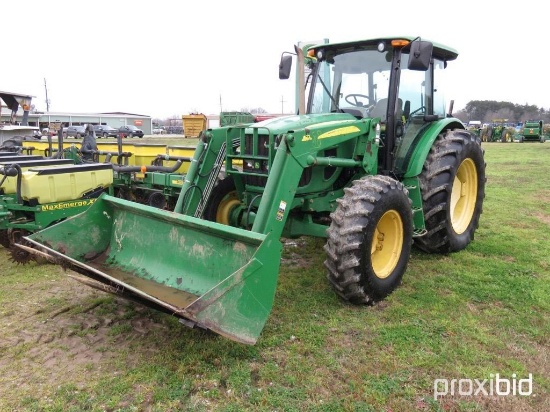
(215,276)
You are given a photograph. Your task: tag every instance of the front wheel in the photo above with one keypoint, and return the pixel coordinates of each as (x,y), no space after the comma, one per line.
(369,239)
(452,183)
(222,203)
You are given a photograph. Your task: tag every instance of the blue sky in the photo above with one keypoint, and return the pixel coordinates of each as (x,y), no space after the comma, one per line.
(168,58)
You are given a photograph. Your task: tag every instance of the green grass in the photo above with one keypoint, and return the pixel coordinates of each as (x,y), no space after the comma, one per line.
(481,311)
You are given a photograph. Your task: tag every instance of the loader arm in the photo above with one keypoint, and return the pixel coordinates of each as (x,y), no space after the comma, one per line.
(284,165)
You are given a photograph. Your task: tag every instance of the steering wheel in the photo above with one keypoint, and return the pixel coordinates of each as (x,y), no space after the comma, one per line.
(355,97)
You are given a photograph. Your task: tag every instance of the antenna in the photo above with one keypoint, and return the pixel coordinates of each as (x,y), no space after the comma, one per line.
(47,100)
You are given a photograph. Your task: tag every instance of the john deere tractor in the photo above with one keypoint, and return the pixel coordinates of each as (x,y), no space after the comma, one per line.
(374,162)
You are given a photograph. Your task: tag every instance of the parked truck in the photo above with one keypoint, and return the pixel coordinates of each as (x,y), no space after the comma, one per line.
(374,162)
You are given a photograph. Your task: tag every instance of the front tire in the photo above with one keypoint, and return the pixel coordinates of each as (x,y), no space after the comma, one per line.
(369,239)
(223,200)
(452,183)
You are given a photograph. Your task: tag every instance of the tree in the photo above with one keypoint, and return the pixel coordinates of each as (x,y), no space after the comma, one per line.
(487,110)
(255,110)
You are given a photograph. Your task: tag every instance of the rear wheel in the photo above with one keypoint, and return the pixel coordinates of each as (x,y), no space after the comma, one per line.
(369,239)
(223,200)
(453,188)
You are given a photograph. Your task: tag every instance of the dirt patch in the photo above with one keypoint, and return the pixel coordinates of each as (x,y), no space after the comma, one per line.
(543,218)
(293,253)
(56,331)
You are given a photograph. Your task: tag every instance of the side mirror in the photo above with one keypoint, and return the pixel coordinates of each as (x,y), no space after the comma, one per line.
(420,55)
(285,66)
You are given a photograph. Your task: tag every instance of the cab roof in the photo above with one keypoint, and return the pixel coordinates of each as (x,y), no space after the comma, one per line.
(440,51)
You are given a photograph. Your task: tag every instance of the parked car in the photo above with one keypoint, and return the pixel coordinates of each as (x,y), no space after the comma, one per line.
(174,129)
(103,130)
(159,130)
(74,131)
(130,131)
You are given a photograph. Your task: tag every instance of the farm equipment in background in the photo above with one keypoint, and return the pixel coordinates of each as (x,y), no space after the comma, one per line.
(533,131)
(497,131)
(38,191)
(13,129)
(475,127)
(234,118)
(43,192)
(375,163)
(193,124)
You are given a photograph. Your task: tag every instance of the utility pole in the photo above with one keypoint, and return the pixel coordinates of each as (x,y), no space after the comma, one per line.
(47,100)
(282,104)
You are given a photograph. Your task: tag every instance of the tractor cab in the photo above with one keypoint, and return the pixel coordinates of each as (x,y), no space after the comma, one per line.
(397,82)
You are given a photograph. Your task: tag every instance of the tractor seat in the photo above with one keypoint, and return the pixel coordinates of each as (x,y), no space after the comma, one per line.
(380,109)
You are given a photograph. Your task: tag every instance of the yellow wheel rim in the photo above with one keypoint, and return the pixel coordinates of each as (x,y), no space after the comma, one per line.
(464,196)
(387,244)
(227,204)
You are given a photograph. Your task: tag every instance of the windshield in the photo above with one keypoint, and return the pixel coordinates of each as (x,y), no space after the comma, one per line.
(353,82)
(358,82)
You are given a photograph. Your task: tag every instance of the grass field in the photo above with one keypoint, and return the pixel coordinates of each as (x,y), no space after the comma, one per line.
(456,321)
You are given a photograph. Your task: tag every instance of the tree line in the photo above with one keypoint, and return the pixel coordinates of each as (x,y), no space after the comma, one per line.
(488,110)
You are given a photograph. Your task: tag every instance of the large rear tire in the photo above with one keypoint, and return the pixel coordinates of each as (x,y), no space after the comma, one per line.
(452,183)
(369,239)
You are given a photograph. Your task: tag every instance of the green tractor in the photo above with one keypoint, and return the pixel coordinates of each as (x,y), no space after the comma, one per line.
(497,132)
(533,131)
(374,162)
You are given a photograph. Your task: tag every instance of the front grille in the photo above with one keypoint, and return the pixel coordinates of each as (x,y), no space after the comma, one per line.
(256,159)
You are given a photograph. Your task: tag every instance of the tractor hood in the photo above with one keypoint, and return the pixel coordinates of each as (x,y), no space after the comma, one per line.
(296,122)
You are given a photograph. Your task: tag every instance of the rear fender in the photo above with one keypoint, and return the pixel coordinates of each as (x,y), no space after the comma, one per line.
(414,150)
